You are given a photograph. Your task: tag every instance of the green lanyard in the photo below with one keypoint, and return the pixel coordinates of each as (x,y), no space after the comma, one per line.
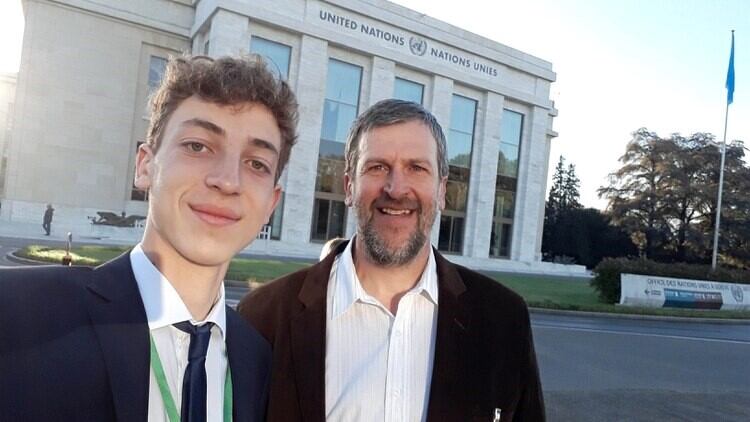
(166,395)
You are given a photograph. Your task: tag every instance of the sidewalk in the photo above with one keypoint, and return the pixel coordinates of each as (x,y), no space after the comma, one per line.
(96,235)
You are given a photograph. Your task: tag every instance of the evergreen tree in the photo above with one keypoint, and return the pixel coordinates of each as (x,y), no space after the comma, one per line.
(571,189)
(555,199)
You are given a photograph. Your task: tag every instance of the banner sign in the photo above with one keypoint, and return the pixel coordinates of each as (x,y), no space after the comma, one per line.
(666,292)
(395,38)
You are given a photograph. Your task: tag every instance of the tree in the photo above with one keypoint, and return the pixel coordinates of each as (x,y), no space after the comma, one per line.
(571,189)
(554,200)
(686,191)
(574,233)
(636,191)
(665,196)
(734,239)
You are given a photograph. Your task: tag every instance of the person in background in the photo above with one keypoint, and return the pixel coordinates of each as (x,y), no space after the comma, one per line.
(47,220)
(330,246)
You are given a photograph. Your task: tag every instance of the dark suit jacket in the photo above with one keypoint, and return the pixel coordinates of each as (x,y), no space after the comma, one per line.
(74,346)
(484,353)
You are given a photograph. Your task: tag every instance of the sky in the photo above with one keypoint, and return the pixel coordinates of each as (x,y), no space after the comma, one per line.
(621,65)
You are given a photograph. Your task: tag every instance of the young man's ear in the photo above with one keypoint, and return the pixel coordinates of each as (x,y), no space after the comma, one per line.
(277,191)
(143,167)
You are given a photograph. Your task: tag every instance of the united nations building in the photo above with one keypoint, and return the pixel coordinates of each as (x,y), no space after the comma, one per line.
(88,67)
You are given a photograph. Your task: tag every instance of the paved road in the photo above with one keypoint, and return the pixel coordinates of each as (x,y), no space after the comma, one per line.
(612,369)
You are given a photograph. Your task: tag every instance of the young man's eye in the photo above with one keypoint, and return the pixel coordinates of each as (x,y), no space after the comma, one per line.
(259,165)
(195,146)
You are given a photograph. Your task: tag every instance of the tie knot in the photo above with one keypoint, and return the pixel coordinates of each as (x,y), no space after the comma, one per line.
(191,329)
(199,338)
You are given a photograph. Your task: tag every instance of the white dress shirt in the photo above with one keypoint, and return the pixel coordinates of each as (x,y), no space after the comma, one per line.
(378,366)
(164,307)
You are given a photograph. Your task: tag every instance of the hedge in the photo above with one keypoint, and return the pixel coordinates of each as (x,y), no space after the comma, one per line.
(606,279)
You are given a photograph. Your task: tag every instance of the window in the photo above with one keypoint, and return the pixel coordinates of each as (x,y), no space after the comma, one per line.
(407,90)
(505,183)
(339,111)
(328,219)
(276,55)
(156,68)
(510,142)
(460,140)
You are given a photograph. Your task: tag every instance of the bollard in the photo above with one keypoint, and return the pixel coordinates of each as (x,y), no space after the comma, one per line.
(67,260)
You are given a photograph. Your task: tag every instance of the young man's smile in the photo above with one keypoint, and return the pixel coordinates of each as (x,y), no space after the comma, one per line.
(215,216)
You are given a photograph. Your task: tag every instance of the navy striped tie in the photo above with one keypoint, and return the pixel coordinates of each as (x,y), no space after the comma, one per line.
(193,407)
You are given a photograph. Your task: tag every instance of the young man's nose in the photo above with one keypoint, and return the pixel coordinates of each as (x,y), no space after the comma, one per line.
(226,174)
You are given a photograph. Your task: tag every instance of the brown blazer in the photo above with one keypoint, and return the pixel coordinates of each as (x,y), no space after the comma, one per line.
(484,353)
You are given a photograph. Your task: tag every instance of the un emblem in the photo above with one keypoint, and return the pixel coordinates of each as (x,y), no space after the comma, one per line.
(417,46)
(737,293)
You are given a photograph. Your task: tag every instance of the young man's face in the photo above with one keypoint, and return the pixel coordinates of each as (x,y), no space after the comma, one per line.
(396,191)
(211,181)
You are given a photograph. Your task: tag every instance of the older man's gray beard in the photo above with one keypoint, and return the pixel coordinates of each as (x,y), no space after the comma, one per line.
(377,248)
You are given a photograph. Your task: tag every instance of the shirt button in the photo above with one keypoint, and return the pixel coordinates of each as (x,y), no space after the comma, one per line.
(398,333)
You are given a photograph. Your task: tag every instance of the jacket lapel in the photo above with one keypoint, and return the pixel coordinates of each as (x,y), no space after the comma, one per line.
(308,334)
(452,323)
(119,320)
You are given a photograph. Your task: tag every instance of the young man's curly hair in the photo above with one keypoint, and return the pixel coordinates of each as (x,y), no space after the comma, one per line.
(224,81)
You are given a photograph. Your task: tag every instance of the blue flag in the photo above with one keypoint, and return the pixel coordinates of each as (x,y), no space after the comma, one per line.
(730,74)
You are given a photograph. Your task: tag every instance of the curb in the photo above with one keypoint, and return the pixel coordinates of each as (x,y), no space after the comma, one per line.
(735,321)
(11,256)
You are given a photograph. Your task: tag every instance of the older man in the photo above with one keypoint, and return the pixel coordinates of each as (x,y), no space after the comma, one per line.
(385,328)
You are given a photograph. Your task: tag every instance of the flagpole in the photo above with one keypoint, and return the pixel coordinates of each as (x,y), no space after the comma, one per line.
(730,98)
(721,186)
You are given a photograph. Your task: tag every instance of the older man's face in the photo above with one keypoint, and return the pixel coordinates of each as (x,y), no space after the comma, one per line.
(396,191)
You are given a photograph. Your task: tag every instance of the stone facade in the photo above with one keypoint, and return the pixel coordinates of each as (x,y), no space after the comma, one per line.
(7,99)
(77,126)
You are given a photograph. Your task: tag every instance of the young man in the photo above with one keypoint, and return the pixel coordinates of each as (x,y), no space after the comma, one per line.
(385,328)
(147,336)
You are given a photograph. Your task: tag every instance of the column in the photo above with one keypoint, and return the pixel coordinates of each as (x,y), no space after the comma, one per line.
(440,105)
(481,199)
(301,172)
(529,217)
(228,34)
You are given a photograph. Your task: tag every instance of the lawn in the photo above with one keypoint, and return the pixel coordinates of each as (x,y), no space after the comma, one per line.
(540,291)
(575,294)
(83,255)
(241,269)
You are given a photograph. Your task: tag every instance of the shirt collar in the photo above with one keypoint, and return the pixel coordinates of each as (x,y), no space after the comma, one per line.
(348,289)
(163,304)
